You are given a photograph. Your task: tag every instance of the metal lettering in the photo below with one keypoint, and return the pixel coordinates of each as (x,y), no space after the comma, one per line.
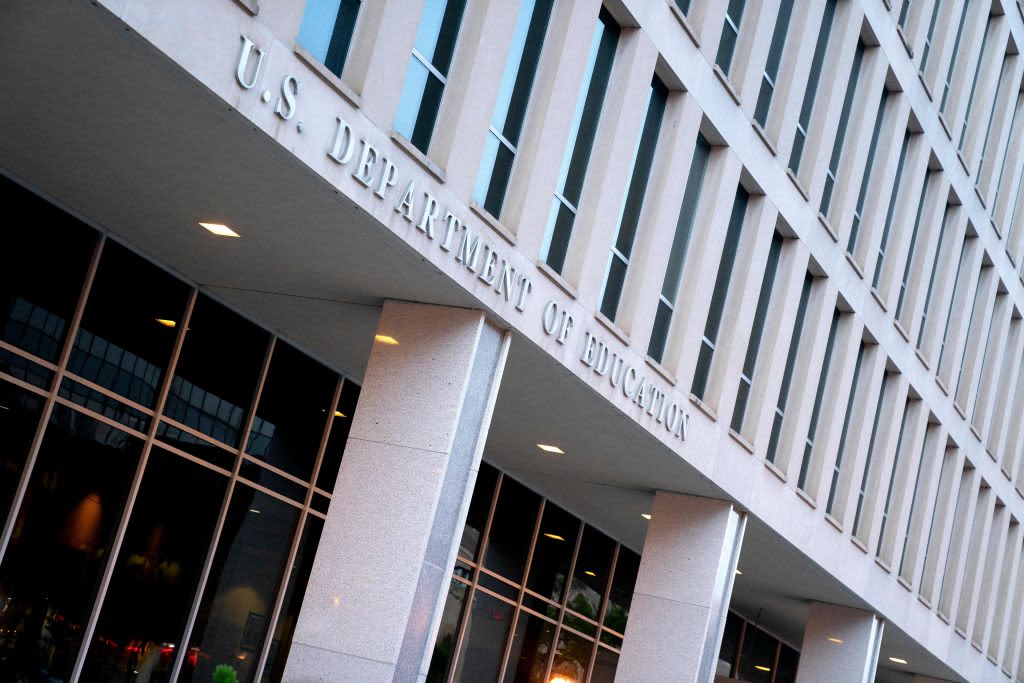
(404,205)
(469,249)
(550,319)
(452,225)
(506,280)
(285,105)
(343,135)
(525,286)
(243,63)
(625,382)
(430,213)
(387,178)
(589,341)
(367,158)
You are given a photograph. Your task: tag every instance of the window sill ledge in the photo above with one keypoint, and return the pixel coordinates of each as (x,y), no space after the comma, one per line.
(924,84)
(777,471)
(942,385)
(903,332)
(685,23)
(878,297)
(797,184)
(883,564)
(763,134)
(945,127)
(704,407)
(418,156)
(806,497)
(828,227)
(328,76)
(834,522)
(610,325)
(250,6)
(662,370)
(741,440)
(861,545)
(556,278)
(723,78)
(924,361)
(498,227)
(852,260)
(906,42)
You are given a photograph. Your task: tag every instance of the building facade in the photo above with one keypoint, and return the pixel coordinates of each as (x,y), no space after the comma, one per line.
(545,340)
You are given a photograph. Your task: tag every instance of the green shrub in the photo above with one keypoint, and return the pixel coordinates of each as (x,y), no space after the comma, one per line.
(225,674)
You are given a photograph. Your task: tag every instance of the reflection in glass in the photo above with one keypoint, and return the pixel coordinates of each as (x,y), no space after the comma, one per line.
(785,671)
(730,645)
(292,412)
(572,657)
(242,586)
(591,574)
(217,372)
(511,530)
(129,325)
(60,544)
(19,417)
(553,552)
(104,405)
(487,627)
(343,415)
(758,657)
(621,594)
(531,644)
(479,507)
(301,568)
(447,633)
(329,46)
(157,573)
(42,271)
(604,666)
(193,445)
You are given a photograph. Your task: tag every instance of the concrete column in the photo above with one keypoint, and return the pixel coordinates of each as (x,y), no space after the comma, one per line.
(682,590)
(851,661)
(389,542)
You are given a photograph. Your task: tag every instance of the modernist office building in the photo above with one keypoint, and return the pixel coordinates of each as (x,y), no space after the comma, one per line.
(533,340)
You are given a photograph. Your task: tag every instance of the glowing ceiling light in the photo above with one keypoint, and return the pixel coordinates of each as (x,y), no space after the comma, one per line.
(167,323)
(219,229)
(385,339)
(837,641)
(338,413)
(554,537)
(760,667)
(589,573)
(645,515)
(897,660)
(550,449)
(739,573)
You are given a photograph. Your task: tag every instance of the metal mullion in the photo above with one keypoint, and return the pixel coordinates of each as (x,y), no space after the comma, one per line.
(44,416)
(110,394)
(286,577)
(325,494)
(605,599)
(622,257)
(739,647)
(31,388)
(6,346)
(564,601)
(430,67)
(197,434)
(503,140)
(133,493)
(566,203)
(775,662)
(270,492)
(192,458)
(100,418)
(522,589)
(267,466)
(221,517)
(475,577)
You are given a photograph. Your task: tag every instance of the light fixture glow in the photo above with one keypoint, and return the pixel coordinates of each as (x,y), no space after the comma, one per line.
(254,511)
(589,573)
(739,573)
(645,515)
(897,660)
(4,408)
(759,667)
(833,639)
(550,449)
(561,678)
(554,537)
(219,229)
(338,413)
(336,600)
(385,339)
(167,323)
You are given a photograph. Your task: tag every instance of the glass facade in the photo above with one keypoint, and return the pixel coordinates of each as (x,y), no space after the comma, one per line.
(751,654)
(327,30)
(536,593)
(169,498)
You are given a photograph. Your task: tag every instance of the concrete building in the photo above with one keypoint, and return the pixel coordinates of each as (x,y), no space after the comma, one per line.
(545,340)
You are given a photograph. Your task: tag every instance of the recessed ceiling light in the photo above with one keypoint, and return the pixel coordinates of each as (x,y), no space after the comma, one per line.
(897,660)
(554,537)
(167,323)
(589,573)
(338,413)
(550,449)
(760,667)
(385,339)
(837,641)
(4,408)
(739,573)
(219,229)
(254,511)
(645,515)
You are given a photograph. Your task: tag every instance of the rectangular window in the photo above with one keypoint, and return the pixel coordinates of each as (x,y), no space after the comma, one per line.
(930,36)
(844,121)
(581,141)
(913,245)
(953,56)
(850,403)
(813,79)
(974,84)
(892,476)
(327,29)
(730,34)
(991,118)
(872,440)
(771,68)
(756,332)
(680,246)
(633,202)
(904,12)
(886,229)
(922,463)
(719,293)
(973,323)
(428,71)
(943,229)
(952,300)
(1015,124)
(513,99)
(787,373)
(858,213)
(819,399)
(683,5)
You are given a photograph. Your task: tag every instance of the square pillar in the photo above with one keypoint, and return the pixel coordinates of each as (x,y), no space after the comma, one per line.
(371,608)
(840,645)
(682,590)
